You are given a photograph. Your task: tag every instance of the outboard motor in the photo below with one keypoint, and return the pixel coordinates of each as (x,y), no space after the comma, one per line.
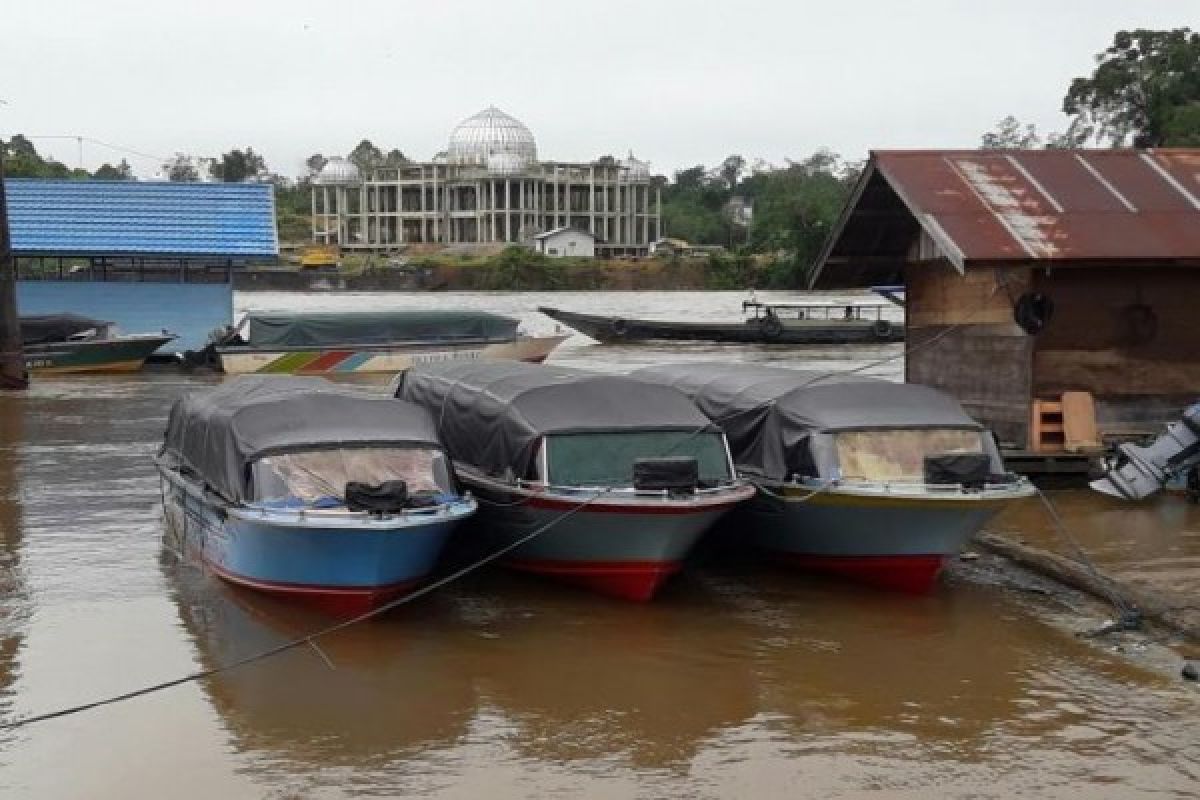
(1141,471)
(673,474)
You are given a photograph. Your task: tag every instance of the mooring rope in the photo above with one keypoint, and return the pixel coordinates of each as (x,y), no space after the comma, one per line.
(1129,616)
(309,639)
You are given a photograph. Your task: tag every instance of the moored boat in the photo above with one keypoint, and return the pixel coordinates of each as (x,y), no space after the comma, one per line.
(57,343)
(622,478)
(766,323)
(857,476)
(317,343)
(301,488)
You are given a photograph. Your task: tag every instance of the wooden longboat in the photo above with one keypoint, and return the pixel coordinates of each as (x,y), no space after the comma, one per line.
(768,323)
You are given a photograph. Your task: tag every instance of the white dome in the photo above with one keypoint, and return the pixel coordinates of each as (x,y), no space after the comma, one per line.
(338,170)
(505,163)
(490,133)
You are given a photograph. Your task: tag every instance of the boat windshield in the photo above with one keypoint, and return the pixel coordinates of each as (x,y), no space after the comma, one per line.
(606,459)
(899,455)
(319,477)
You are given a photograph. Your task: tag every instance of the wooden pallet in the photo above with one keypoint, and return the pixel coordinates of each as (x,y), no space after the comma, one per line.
(1047,433)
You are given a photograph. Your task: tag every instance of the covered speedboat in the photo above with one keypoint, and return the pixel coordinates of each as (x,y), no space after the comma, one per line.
(75,343)
(857,476)
(299,487)
(313,343)
(627,475)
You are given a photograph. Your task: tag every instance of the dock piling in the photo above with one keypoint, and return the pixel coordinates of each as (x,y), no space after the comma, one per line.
(12,360)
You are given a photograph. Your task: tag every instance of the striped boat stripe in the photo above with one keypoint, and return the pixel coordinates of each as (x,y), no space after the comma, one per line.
(326,361)
(290,362)
(355,361)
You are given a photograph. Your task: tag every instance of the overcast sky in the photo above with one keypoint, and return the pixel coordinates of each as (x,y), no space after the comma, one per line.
(680,82)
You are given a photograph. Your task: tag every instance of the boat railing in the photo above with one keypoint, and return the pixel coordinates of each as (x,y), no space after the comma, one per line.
(819,311)
(911,487)
(621,491)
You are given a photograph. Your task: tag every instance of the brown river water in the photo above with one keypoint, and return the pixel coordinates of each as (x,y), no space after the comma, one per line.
(740,680)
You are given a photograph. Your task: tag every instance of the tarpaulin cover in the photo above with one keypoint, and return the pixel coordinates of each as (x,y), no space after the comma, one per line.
(57,327)
(778,420)
(322,329)
(493,413)
(218,433)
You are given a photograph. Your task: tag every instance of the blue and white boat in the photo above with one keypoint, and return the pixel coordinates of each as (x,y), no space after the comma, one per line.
(302,488)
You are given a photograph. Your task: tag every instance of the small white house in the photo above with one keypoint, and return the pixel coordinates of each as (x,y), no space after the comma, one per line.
(562,242)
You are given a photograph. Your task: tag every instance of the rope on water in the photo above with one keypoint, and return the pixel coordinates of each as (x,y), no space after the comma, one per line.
(308,640)
(1129,616)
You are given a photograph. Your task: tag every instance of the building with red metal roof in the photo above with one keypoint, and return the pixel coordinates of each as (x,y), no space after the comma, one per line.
(1034,272)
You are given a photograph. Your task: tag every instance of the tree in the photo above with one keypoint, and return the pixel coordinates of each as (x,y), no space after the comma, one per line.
(365,156)
(315,163)
(1146,87)
(237,166)
(731,170)
(181,169)
(395,158)
(121,172)
(22,160)
(1011,135)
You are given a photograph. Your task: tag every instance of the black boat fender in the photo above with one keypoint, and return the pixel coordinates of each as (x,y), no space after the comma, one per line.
(882,328)
(620,327)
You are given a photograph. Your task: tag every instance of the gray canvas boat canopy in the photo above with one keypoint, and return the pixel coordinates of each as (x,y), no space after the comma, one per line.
(322,329)
(218,433)
(778,421)
(47,328)
(493,413)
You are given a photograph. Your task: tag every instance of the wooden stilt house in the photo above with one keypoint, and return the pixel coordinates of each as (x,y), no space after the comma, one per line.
(1030,274)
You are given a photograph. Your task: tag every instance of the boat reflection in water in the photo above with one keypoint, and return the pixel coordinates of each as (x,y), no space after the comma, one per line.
(12,586)
(591,680)
(372,692)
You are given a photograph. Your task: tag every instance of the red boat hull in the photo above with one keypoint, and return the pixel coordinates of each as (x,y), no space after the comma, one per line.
(332,600)
(625,580)
(915,574)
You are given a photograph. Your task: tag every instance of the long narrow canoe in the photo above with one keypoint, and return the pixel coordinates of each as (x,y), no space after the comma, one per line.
(769,329)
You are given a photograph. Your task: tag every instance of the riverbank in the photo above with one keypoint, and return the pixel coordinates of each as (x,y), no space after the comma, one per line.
(519,269)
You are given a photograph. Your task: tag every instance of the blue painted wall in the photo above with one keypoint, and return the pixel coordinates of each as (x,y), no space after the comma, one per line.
(188,310)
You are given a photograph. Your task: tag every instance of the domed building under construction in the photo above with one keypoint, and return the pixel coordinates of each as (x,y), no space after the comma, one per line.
(488,188)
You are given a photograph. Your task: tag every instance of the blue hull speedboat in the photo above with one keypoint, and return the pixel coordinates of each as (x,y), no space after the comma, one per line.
(300,488)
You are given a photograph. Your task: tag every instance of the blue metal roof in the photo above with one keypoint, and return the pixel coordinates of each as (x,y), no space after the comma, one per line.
(141,218)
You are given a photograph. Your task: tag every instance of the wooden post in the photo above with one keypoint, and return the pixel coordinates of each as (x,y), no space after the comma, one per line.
(12,359)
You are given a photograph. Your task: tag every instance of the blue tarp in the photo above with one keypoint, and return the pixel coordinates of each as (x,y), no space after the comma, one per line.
(141,218)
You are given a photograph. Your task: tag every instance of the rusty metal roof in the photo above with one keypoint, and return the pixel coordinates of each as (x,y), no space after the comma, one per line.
(998,207)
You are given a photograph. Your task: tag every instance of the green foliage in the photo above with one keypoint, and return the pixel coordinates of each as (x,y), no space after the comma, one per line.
(794,208)
(1146,86)
(365,156)
(121,172)
(1011,135)
(315,163)
(730,272)
(238,165)
(22,160)
(292,207)
(519,269)
(180,169)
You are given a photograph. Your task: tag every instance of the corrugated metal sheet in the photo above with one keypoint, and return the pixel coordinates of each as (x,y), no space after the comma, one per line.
(141,218)
(992,206)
